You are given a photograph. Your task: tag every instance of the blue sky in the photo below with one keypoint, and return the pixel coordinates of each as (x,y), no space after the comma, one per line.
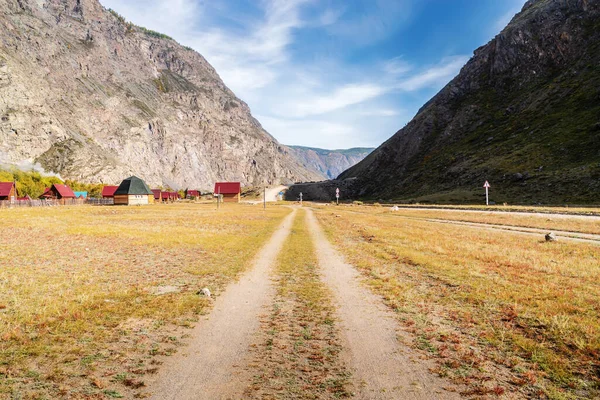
(329,73)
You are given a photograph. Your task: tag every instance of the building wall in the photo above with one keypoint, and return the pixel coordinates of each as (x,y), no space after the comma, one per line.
(11,194)
(231,198)
(133,199)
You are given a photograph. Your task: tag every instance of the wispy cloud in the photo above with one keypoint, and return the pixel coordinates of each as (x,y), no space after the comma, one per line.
(436,75)
(340,98)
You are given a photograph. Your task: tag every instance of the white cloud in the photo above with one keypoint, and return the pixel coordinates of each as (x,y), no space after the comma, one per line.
(340,98)
(397,66)
(434,76)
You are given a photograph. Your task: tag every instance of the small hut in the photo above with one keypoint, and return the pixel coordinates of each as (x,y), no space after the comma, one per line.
(58,192)
(8,191)
(230,191)
(133,191)
(81,195)
(157,195)
(192,194)
(108,192)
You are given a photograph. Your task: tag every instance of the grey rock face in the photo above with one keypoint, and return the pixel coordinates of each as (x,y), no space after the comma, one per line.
(329,163)
(96,99)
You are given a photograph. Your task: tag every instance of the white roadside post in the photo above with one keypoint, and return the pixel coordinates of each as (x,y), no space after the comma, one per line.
(337,196)
(265,198)
(486,185)
(300,199)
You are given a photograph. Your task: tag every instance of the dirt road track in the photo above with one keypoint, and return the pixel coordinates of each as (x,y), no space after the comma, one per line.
(206,369)
(571,236)
(382,367)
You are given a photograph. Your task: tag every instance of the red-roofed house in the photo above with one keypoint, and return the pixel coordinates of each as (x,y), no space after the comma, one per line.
(229,191)
(192,194)
(157,195)
(58,192)
(109,191)
(8,191)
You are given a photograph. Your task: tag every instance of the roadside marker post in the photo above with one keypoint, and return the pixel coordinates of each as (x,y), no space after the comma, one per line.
(486,185)
(300,199)
(265,199)
(337,196)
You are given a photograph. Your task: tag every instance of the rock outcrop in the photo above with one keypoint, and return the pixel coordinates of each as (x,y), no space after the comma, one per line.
(329,163)
(524,113)
(94,98)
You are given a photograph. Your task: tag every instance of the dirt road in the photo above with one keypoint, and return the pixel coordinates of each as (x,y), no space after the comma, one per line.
(217,364)
(207,368)
(382,367)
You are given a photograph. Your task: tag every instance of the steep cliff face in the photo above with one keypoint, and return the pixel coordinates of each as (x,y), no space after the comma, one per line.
(94,98)
(329,163)
(524,113)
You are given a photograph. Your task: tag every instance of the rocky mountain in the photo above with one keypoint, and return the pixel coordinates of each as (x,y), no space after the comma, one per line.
(329,163)
(523,113)
(95,98)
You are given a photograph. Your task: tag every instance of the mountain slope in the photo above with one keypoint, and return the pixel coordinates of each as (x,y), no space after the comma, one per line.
(329,163)
(524,113)
(94,98)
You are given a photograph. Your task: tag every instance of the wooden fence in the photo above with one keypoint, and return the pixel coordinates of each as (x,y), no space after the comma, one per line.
(53,203)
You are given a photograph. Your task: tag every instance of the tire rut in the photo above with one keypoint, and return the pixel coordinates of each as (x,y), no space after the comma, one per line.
(381,366)
(209,367)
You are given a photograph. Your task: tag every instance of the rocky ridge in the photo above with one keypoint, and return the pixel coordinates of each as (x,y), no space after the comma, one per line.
(329,163)
(94,98)
(523,113)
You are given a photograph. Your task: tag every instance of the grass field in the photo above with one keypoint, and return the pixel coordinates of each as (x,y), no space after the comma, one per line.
(90,297)
(502,313)
(562,222)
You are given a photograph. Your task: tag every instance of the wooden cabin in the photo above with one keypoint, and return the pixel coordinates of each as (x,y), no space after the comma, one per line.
(8,191)
(108,192)
(133,191)
(192,194)
(58,192)
(157,195)
(230,191)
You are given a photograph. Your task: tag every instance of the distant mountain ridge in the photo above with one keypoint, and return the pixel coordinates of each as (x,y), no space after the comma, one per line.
(329,163)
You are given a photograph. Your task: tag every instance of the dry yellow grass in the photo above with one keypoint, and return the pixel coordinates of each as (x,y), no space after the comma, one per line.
(501,312)
(592,210)
(571,223)
(79,310)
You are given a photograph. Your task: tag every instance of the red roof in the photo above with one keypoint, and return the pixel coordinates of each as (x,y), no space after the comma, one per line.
(228,187)
(5,188)
(109,191)
(64,191)
(193,193)
(156,193)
